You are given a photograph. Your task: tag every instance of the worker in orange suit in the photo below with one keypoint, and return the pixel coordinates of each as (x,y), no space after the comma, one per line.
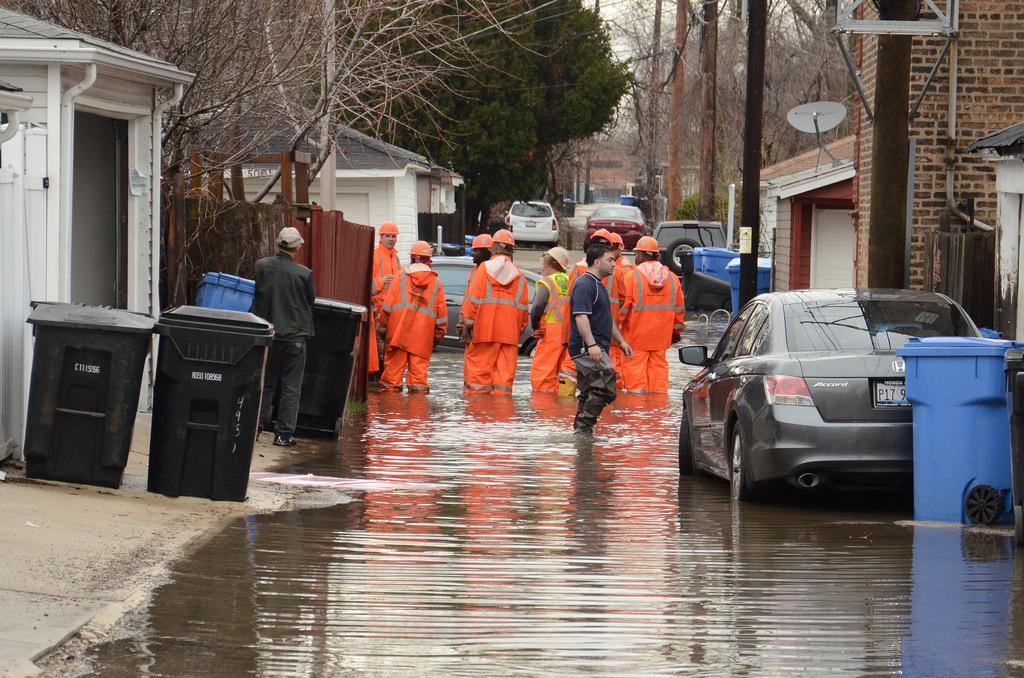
(550,304)
(496,312)
(481,248)
(385,268)
(567,372)
(413,320)
(651,319)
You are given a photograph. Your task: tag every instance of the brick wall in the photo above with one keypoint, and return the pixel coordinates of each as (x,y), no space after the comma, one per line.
(990,97)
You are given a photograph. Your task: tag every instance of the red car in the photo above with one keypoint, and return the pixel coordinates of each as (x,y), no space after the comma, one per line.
(625,220)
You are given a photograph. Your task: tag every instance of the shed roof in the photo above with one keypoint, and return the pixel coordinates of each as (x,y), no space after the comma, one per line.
(15,27)
(808,160)
(1009,141)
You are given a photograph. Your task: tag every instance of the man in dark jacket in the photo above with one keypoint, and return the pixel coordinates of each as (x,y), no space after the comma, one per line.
(284,296)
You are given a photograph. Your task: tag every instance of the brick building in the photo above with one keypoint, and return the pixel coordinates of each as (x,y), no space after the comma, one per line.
(989,53)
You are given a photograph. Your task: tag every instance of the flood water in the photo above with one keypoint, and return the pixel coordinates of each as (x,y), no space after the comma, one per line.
(498,546)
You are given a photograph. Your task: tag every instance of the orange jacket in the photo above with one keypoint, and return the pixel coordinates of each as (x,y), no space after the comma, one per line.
(414,311)
(385,262)
(497,302)
(574,273)
(653,309)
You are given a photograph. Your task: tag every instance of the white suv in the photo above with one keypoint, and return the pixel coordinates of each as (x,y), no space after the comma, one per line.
(533,221)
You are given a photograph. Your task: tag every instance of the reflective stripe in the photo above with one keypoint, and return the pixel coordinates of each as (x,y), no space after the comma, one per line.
(496,387)
(428,310)
(641,306)
(441,321)
(477,387)
(489,299)
(385,384)
(418,388)
(609,283)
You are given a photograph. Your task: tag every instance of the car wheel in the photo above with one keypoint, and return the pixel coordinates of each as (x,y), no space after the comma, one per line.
(685,446)
(741,487)
(675,250)
(528,348)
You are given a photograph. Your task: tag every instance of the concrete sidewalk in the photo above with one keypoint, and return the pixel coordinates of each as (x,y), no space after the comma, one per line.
(75,558)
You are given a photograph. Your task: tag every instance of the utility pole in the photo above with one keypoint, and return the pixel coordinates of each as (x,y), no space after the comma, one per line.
(654,87)
(328,171)
(708,133)
(890,148)
(677,123)
(757,27)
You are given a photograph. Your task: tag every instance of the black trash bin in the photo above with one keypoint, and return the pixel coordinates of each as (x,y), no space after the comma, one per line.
(330,356)
(1015,401)
(87,371)
(207,401)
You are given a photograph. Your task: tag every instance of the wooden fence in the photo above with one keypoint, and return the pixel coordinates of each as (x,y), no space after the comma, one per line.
(962,266)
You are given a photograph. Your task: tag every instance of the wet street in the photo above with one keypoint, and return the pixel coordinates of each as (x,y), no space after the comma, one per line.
(490,543)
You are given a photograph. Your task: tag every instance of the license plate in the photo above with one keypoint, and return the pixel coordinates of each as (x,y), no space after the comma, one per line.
(891,393)
(531,224)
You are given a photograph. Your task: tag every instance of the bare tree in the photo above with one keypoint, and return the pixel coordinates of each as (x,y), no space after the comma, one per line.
(261,65)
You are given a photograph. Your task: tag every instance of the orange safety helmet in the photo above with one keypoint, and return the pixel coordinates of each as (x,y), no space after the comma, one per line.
(647,244)
(601,233)
(389,228)
(503,236)
(421,248)
(615,239)
(481,242)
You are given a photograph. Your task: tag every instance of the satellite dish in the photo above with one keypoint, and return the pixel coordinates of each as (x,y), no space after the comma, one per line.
(817,117)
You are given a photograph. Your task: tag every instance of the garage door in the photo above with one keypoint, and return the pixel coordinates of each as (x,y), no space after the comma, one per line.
(833,246)
(355,207)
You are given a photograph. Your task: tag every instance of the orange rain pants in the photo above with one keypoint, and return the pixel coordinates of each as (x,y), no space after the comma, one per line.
(396,363)
(490,367)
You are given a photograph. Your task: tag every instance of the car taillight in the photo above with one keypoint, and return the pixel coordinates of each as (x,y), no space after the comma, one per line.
(554,224)
(783,390)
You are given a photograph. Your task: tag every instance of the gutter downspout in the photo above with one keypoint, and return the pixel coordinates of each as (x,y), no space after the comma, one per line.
(156,173)
(154,192)
(954,58)
(13,121)
(67,140)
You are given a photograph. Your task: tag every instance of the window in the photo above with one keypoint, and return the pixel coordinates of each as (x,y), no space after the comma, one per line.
(453,278)
(758,319)
(531,211)
(727,345)
(631,213)
(870,324)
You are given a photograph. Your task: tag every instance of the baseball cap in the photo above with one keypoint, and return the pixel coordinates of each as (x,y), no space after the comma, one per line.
(290,237)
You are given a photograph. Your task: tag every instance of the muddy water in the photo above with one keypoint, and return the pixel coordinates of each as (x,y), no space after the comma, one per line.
(499,546)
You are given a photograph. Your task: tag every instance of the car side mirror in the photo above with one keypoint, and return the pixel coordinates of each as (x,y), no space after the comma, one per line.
(694,355)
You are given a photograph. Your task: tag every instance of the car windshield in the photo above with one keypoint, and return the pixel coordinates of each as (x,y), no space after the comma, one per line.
(852,324)
(530,210)
(617,213)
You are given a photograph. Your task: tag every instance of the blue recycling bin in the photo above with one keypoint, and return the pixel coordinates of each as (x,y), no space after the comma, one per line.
(957,387)
(627,200)
(764,279)
(713,261)
(225,291)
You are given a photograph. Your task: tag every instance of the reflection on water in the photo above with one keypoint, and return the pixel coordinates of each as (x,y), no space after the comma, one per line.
(531,554)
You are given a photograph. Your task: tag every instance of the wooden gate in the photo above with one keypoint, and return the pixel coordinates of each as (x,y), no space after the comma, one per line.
(962,266)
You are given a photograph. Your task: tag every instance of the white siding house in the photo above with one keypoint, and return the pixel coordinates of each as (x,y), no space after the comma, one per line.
(79,178)
(377,182)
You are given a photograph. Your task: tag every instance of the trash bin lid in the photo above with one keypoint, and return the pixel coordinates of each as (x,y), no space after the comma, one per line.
(80,316)
(199,317)
(762,263)
(946,347)
(333,305)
